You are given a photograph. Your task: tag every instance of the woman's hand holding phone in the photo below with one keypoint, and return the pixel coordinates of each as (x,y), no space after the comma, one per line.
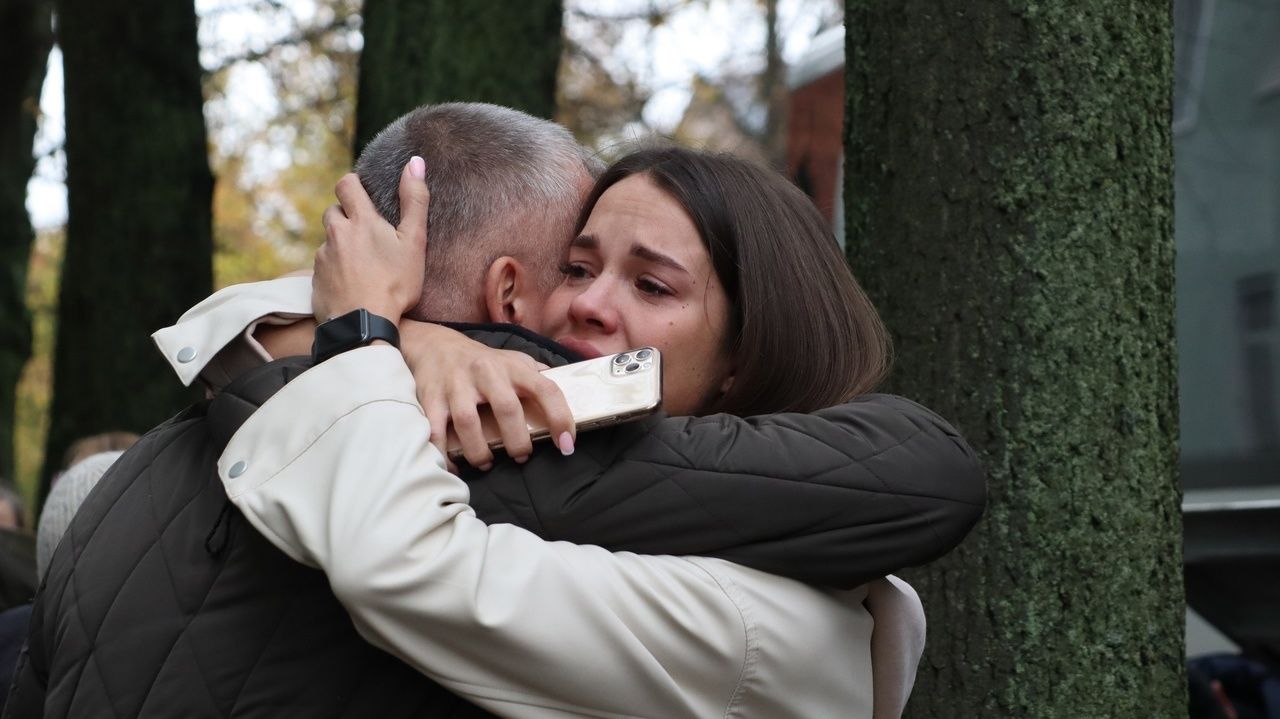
(456,375)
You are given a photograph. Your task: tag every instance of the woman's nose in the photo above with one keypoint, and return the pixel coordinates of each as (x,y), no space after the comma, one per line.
(594,308)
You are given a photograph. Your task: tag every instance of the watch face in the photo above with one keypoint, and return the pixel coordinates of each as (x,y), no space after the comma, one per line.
(341,334)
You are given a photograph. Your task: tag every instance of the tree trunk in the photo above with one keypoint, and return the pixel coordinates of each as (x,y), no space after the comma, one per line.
(25,38)
(1008,194)
(773,91)
(139,197)
(428,51)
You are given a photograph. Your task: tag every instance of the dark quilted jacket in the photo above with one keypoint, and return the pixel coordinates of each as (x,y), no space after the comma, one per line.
(161,601)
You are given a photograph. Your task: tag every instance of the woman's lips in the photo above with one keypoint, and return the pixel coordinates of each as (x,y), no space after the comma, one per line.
(582,347)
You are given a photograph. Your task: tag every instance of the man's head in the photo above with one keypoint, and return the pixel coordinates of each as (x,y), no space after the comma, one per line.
(505,193)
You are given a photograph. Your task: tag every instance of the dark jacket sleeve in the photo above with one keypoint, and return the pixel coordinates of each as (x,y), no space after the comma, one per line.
(835,498)
(27,692)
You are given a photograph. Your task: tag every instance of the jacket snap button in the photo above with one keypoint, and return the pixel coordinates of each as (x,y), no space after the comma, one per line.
(186,354)
(237,469)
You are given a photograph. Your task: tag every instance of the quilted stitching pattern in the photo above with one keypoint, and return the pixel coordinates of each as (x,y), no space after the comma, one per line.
(853,492)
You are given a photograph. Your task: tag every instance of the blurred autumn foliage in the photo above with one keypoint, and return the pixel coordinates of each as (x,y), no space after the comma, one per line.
(275,176)
(32,393)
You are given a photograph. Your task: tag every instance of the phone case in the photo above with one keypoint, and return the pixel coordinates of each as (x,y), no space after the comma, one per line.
(600,392)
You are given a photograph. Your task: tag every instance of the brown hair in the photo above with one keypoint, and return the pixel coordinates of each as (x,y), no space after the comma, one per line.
(802,334)
(86,447)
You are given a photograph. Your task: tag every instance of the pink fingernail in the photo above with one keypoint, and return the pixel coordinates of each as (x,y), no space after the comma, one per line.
(418,167)
(485,467)
(566,444)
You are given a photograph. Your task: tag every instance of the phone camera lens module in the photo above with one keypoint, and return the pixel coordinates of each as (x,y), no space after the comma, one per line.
(643,354)
(633,367)
(622,359)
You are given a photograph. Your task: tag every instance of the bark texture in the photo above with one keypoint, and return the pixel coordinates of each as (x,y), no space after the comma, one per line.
(139,247)
(427,51)
(1008,190)
(25,38)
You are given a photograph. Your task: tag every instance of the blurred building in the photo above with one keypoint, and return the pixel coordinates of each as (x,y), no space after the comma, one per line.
(815,125)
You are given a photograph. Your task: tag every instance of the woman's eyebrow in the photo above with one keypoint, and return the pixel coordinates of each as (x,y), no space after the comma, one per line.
(586,242)
(645,253)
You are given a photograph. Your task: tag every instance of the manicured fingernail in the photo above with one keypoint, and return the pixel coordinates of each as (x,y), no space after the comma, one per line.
(521,459)
(485,467)
(417,167)
(566,444)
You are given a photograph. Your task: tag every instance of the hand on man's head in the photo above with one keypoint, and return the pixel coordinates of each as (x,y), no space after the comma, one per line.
(364,261)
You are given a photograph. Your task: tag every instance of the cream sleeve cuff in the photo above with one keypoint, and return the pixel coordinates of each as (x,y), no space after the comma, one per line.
(229,316)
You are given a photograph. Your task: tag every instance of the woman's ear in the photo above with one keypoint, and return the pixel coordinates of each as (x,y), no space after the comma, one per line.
(509,295)
(727,384)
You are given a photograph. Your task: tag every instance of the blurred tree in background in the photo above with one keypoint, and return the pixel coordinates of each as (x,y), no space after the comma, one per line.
(139,231)
(428,51)
(26,35)
(275,168)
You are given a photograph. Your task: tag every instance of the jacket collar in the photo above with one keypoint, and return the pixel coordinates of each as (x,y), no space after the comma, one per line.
(477,330)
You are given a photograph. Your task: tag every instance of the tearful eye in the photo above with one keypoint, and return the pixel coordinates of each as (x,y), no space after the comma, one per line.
(649,287)
(573,270)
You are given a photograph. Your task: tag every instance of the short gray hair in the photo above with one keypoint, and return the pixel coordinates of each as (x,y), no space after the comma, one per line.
(499,179)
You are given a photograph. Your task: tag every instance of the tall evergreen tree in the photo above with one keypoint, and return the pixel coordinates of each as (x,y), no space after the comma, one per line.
(425,51)
(25,37)
(139,193)
(1008,193)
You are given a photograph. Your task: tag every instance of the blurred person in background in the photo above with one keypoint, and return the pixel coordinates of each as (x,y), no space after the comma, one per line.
(64,499)
(17,582)
(13,514)
(17,550)
(114,441)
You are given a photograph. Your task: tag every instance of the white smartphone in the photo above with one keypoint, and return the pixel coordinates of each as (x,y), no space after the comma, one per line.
(600,392)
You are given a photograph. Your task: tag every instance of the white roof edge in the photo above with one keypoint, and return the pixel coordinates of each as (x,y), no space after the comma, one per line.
(825,53)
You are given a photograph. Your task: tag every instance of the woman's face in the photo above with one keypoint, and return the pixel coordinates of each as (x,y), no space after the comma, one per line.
(638,275)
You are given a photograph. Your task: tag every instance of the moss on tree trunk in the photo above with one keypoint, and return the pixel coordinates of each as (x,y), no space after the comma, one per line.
(1008,190)
(427,51)
(25,38)
(139,191)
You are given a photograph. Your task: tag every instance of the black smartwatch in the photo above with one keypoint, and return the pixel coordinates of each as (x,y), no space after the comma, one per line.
(356,328)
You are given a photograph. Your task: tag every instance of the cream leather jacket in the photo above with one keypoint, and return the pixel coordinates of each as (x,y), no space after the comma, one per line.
(337,471)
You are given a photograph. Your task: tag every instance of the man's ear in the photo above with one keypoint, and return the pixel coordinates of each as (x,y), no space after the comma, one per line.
(509,294)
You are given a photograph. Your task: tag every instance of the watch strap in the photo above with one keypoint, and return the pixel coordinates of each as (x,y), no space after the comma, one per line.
(354,329)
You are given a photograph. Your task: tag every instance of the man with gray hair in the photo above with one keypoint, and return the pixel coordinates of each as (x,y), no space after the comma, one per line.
(160,601)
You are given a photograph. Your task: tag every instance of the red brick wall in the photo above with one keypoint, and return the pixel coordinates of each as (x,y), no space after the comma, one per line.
(815,124)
